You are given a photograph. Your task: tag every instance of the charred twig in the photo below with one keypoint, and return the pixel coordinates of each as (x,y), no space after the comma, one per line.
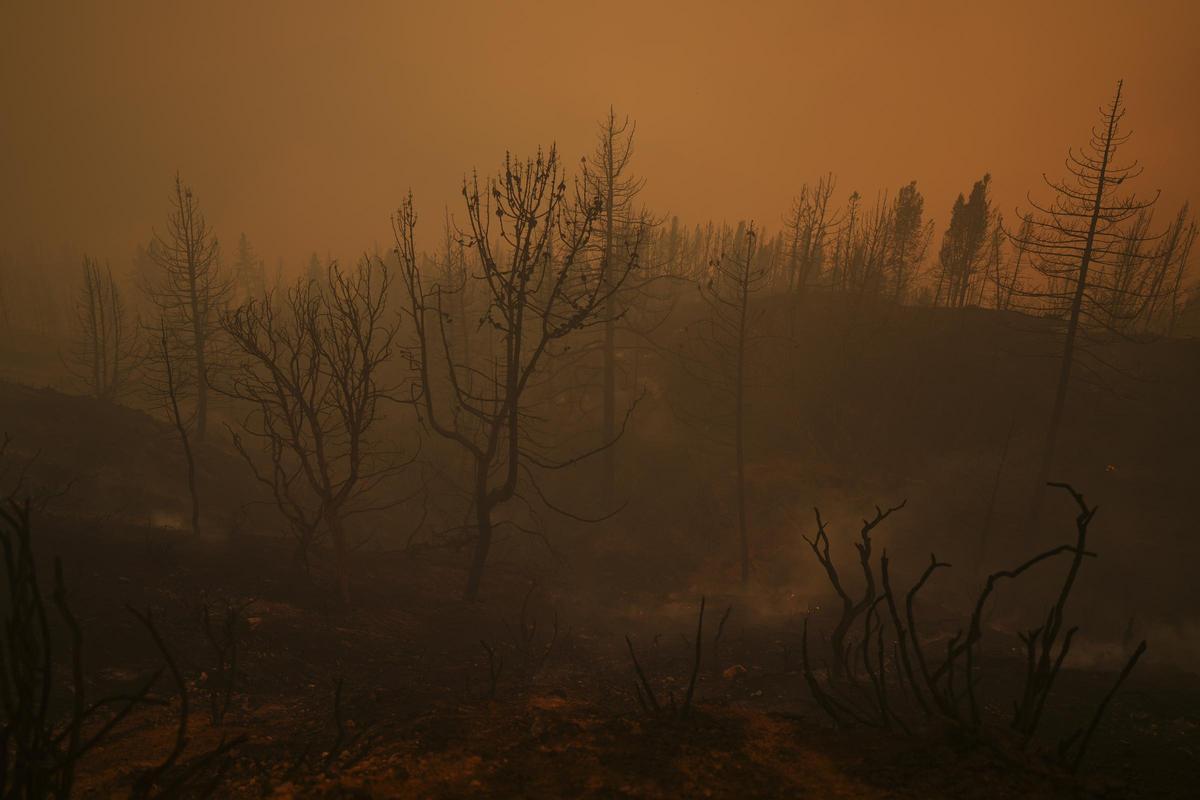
(38,751)
(1041,678)
(876,674)
(647,700)
(181,784)
(532,656)
(645,692)
(225,669)
(965,646)
(149,779)
(720,630)
(902,659)
(918,651)
(495,667)
(851,609)
(1091,729)
(834,708)
(182,780)
(687,701)
(339,723)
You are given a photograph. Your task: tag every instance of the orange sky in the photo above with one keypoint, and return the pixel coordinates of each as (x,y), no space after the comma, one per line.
(303,124)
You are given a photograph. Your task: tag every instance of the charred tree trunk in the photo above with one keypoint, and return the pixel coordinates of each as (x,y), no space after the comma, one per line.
(1068,352)
(609,432)
(171,390)
(341,557)
(483,544)
(740,413)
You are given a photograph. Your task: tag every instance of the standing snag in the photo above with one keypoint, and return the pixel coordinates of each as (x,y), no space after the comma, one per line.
(1077,242)
(718,358)
(190,290)
(166,385)
(619,227)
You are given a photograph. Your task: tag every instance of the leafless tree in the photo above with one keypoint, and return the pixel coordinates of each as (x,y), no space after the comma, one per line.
(166,384)
(104,353)
(808,225)
(541,287)
(1078,241)
(1006,280)
(311,368)
(620,226)
(190,290)
(1175,258)
(1140,295)
(717,356)
(864,249)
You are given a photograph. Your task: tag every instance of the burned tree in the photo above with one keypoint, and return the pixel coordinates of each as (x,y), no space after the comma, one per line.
(1139,297)
(808,226)
(166,384)
(1076,241)
(619,227)
(311,368)
(542,287)
(105,350)
(190,289)
(646,696)
(717,356)
(223,639)
(865,258)
(1169,296)
(1006,280)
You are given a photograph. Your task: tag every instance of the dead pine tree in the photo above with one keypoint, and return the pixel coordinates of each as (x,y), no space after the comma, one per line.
(310,371)
(541,287)
(1175,251)
(104,354)
(607,173)
(717,356)
(166,384)
(1007,283)
(1146,291)
(1073,241)
(190,289)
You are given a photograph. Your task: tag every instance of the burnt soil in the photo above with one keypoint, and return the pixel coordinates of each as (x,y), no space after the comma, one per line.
(419,716)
